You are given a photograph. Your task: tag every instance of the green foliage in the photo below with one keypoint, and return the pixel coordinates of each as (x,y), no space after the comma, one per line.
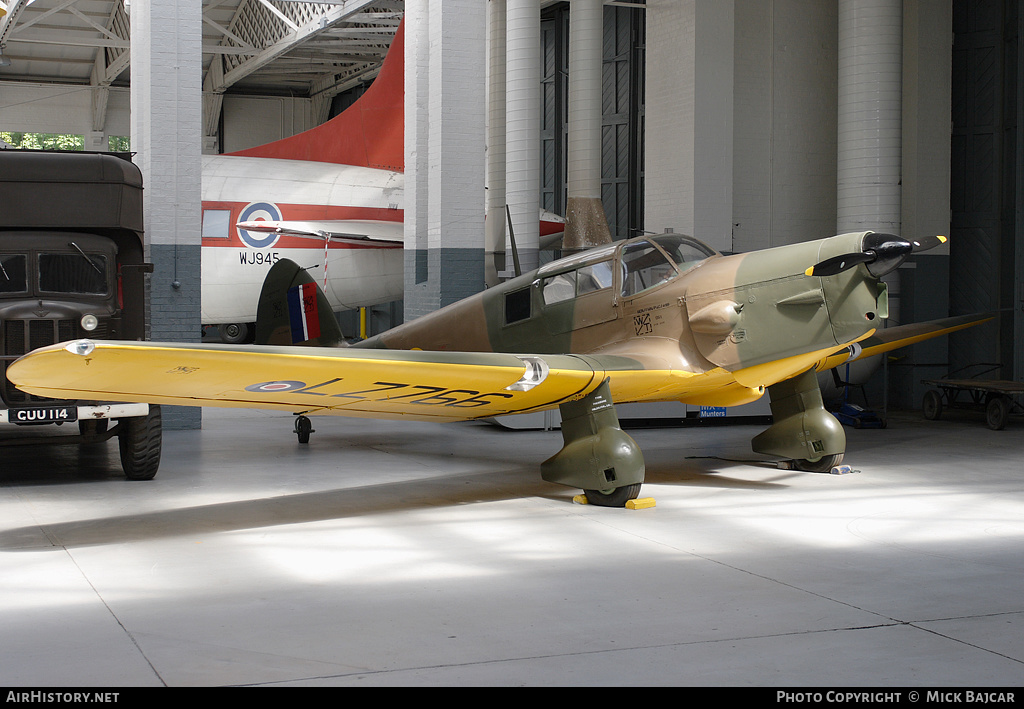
(119,143)
(43,141)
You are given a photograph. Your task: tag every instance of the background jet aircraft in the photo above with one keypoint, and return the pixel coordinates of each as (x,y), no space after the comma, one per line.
(343,179)
(649,319)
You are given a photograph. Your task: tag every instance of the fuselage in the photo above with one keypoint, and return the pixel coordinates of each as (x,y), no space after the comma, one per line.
(673,304)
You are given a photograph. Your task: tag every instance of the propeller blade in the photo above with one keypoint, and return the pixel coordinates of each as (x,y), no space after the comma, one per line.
(928,242)
(882,253)
(838,264)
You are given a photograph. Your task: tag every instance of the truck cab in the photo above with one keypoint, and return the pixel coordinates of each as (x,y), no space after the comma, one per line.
(72,266)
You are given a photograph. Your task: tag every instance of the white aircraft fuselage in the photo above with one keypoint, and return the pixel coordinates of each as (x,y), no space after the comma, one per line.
(234,262)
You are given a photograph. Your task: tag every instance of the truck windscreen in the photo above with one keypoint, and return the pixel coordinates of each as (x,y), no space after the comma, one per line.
(73,273)
(12,273)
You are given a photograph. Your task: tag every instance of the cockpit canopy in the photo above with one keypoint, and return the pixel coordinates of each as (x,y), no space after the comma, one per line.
(642,264)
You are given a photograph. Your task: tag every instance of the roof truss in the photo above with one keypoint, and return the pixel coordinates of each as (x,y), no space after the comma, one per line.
(298,42)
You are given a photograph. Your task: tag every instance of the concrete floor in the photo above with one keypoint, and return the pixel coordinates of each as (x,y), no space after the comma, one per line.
(417,554)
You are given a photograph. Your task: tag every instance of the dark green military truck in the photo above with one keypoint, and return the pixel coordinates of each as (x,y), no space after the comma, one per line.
(72,267)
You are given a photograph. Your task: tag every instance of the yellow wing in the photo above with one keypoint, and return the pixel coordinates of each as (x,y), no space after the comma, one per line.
(414,384)
(437,386)
(893,338)
(370,383)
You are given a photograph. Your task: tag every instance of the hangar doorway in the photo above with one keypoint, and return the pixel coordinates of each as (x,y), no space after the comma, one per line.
(986,181)
(622,116)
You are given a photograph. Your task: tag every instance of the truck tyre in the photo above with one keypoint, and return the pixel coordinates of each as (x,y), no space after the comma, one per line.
(140,440)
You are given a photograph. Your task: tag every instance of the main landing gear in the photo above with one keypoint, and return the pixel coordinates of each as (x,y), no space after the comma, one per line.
(597,455)
(803,430)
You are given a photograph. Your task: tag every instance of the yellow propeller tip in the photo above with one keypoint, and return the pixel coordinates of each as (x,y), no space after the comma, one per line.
(943,239)
(809,271)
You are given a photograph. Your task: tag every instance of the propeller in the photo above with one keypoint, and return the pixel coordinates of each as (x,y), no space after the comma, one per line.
(882,253)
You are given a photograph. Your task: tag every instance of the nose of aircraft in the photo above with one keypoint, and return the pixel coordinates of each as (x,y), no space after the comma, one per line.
(881,253)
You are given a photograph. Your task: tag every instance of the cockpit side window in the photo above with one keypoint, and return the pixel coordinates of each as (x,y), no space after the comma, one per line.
(559,287)
(595,277)
(644,266)
(585,279)
(517,306)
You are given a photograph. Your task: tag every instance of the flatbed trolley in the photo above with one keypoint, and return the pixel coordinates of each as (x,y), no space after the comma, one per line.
(997,398)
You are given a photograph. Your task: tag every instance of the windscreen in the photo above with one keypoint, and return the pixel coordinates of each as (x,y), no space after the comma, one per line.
(644,266)
(685,251)
(78,273)
(13,274)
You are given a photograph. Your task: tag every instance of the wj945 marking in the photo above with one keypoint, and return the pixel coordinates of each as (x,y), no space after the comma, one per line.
(257,258)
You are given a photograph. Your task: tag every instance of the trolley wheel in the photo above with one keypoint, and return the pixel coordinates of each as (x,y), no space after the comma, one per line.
(932,405)
(997,412)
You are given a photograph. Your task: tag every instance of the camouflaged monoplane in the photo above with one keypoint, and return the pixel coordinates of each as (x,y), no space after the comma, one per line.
(654,318)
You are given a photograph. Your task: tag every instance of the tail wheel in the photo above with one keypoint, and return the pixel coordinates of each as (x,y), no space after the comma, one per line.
(618,497)
(303,427)
(140,440)
(234,333)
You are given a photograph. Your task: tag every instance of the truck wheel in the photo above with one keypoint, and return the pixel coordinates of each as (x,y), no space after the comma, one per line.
(140,440)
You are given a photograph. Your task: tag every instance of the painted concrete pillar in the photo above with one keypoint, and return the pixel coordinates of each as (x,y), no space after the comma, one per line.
(870,115)
(496,150)
(688,175)
(445,140)
(523,127)
(166,136)
(586,224)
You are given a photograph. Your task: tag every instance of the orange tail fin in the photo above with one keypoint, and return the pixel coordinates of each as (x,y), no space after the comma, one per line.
(369,133)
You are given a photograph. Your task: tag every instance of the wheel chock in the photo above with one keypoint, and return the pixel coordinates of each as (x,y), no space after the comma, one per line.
(640,503)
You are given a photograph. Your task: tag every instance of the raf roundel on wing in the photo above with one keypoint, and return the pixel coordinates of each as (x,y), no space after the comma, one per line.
(278,386)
